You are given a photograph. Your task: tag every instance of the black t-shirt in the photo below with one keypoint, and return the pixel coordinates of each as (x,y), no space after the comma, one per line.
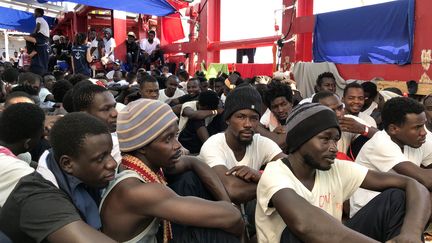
(132,48)
(189,137)
(186,98)
(35,209)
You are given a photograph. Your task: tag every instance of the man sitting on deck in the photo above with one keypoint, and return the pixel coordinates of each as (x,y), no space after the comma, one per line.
(64,207)
(299,198)
(139,198)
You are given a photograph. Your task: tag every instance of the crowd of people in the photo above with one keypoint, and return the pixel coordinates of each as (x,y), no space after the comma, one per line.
(91,54)
(146,155)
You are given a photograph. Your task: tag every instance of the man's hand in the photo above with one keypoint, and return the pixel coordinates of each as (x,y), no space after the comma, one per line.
(405,238)
(246,173)
(280,130)
(348,124)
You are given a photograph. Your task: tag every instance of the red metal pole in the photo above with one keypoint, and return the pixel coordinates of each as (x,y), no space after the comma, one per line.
(288,50)
(141,31)
(209,31)
(120,33)
(245,43)
(303,47)
(81,22)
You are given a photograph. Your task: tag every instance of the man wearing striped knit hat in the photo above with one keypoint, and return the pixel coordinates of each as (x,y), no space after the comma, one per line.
(139,200)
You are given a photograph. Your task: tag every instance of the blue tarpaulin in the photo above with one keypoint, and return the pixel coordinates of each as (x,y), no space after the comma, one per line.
(23,21)
(378,34)
(150,7)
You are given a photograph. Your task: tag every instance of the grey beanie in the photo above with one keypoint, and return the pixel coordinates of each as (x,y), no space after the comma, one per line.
(306,121)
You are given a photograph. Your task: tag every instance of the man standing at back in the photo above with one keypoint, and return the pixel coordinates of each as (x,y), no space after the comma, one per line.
(39,38)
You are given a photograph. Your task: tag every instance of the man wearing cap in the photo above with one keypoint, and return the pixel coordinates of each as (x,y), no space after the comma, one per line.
(150,50)
(139,199)
(132,50)
(110,45)
(238,154)
(300,197)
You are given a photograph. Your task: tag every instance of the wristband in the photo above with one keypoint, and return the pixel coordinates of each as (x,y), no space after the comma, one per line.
(366,131)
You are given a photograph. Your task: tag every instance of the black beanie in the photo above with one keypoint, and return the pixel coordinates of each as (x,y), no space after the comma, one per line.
(306,121)
(242,97)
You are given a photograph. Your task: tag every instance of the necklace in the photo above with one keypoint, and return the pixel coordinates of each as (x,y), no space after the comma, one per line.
(149,176)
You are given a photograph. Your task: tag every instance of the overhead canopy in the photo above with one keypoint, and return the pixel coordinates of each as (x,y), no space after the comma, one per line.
(377,34)
(149,7)
(23,21)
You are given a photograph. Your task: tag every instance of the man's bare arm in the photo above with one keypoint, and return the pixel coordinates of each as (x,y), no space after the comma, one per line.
(200,114)
(418,205)
(279,139)
(161,202)
(312,224)
(207,176)
(238,189)
(37,28)
(78,232)
(203,134)
(422,175)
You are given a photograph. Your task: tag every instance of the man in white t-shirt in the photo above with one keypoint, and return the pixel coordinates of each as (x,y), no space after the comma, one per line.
(427,104)
(279,100)
(370,93)
(352,127)
(110,45)
(404,147)
(325,81)
(100,103)
(41,33)
(354,99)
(21,127)
(238,154)
(171,91)
(38,45)
(198,121)
(300,198)
(93,44)
(150,50)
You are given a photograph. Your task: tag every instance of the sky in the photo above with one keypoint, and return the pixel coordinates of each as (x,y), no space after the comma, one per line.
(241,19)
